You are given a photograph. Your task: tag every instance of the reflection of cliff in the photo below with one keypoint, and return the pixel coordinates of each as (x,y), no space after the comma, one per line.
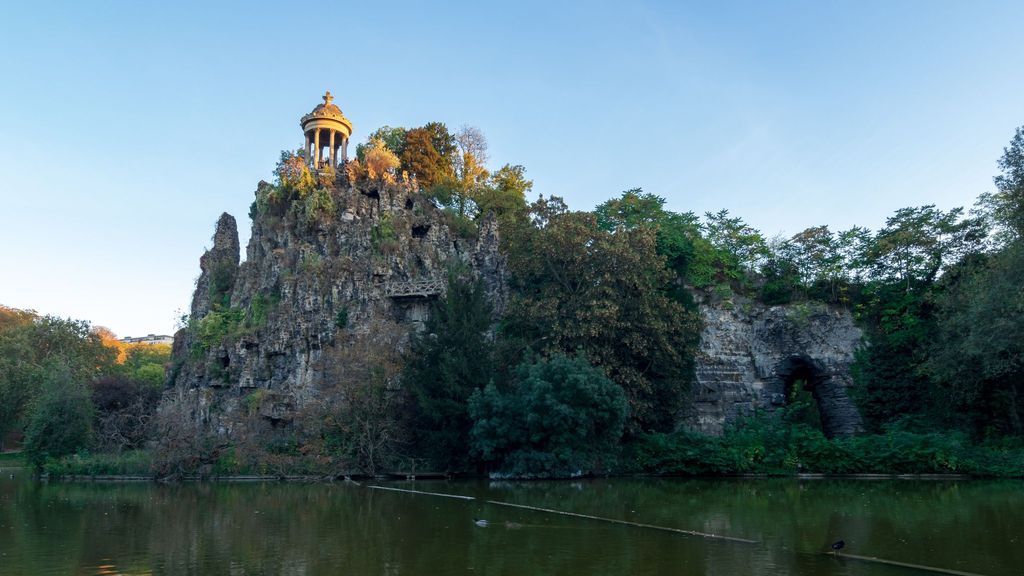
(278,528)
(751,355)
(260,329)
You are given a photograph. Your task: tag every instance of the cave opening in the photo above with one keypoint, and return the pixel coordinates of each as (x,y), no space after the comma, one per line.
(420,230)
(801,380)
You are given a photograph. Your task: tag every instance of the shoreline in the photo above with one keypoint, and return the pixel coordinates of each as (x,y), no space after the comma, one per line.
(312,479)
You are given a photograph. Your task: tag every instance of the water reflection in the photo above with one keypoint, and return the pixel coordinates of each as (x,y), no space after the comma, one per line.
(78,528)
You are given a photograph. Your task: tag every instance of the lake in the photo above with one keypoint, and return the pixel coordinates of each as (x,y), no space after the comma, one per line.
(288,528)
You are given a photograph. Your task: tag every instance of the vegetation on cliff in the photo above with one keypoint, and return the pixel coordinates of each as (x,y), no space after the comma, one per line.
(587,366)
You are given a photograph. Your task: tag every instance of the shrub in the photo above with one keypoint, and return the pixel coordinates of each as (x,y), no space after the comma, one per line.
(60,419)
(213,329)
(383,237)
(772,444)
(562,417)
(341,318)
(124,412)
(131,463)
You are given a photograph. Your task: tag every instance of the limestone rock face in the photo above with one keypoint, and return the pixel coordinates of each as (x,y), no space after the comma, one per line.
(382,253)
(750,354)
(218,266)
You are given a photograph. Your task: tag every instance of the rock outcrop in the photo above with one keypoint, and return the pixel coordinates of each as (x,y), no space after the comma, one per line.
(751,354)
(254,350)
(258,330)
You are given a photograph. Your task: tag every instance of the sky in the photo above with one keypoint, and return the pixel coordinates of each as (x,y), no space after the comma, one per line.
(127,128)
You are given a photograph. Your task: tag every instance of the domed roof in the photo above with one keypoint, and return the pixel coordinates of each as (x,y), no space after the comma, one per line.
(325,110)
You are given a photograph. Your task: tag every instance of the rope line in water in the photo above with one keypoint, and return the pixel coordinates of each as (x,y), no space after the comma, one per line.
(626,522)
(675,530)
(573,514)
(905,564)
(459,496)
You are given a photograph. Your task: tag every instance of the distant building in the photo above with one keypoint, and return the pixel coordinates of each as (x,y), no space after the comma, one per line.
(149,339)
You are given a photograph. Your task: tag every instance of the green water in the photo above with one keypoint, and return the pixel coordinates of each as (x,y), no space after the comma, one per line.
(275,528)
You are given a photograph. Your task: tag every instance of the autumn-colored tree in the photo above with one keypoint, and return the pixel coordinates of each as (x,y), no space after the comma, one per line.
(380,161)
(392,138)
(579,288)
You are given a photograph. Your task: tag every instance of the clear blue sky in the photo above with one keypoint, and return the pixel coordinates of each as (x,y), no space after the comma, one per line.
(127,128)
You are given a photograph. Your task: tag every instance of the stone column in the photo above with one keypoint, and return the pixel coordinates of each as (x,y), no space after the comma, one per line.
(344,149)
(309,149)
(316,140)
(334,151)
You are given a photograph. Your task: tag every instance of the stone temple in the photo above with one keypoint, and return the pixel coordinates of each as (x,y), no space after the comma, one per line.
(327,131)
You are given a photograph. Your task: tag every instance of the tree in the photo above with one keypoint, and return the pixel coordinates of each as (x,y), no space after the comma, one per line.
(561,417)
(448,361)
(740,248)
(380,161)
(60,418)
(916,242)
(977,355)
(391,138)
(421,159)
(1006,205)
(678,235)
(293,176)
(470,171)
(504,196)
(36,351)
(580,289)
(444,142)
(124,410)
(359,417)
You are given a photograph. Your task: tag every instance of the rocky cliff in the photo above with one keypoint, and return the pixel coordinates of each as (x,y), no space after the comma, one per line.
(253,353)
(259,329)
(751,355)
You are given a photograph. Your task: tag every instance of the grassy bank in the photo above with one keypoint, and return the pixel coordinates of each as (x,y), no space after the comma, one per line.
(11,459)
(767,444)
(132,463)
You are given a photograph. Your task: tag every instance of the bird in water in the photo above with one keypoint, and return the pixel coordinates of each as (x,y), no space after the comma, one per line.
(837,546)
(480,522)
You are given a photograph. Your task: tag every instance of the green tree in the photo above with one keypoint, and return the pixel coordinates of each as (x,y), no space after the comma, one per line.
(450,359)
(1006,205)
(31,352)
(504,196)
(577,287)
(905,259)
(977,354)
(916,242)
(677,235)
(392,138)
(421,159)
(60,418)
(562,416)
(740,248)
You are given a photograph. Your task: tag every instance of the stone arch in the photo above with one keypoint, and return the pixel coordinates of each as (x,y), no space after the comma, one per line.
(839,416)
